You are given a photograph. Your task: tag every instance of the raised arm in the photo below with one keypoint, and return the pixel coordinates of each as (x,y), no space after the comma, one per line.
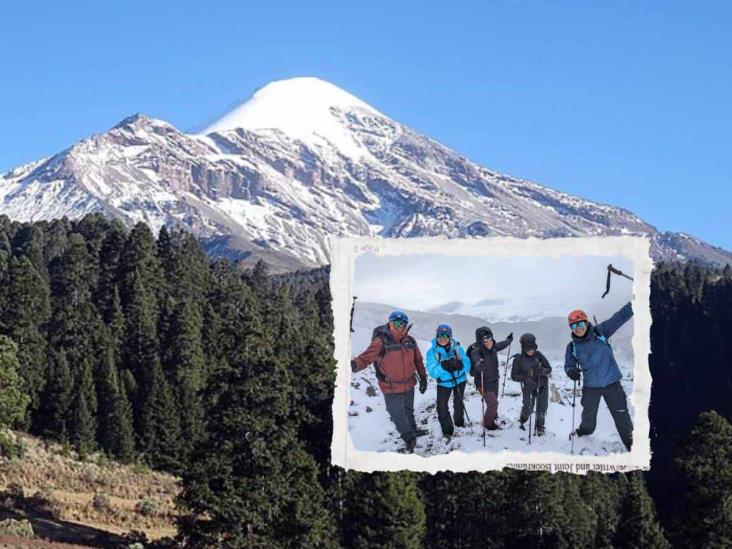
(613,324)
(500,345)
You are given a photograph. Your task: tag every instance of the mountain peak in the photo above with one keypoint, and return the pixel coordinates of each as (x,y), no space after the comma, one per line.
(137,119)
(304,108)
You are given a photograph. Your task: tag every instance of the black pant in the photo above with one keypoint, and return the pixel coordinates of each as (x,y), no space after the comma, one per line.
(401,411)
(443,413)
(617,403)
(540,399)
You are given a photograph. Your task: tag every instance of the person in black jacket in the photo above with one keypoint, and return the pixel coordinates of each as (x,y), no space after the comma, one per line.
(532,369)
(484,369)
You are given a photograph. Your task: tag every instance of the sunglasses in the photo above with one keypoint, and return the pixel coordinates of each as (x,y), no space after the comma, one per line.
(580,324)
(398,322)
(443,336)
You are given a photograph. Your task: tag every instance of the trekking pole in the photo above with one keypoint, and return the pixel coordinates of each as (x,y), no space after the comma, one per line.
(531,413)
(482,404)
(462,401)
(574,400)
(353,306)
(505,373)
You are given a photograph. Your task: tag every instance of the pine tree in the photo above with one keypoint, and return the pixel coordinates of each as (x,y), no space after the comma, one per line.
(601,494)
(27,309)
(140,350)
(114,412)
(13,399)
(107,295)
(545,509)
(139,262)
(384,510)
(638,527)
(29,242)
(187,368)
(705,463)
(75,323)
(160,434)
(83,424)
(57,399)
(57,239)
(250,483)
(156,422)
(315,372)
(465,509)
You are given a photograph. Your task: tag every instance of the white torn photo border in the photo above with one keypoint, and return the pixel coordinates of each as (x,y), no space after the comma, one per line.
(507,284)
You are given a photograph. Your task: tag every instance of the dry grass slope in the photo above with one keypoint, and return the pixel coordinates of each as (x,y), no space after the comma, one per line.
(97,493)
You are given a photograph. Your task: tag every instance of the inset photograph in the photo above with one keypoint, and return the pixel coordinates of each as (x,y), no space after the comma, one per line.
(486,355)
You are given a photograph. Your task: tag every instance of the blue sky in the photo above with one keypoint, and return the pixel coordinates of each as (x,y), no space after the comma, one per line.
(619,102)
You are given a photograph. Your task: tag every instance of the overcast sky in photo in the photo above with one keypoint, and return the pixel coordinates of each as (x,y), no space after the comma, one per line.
(530,284)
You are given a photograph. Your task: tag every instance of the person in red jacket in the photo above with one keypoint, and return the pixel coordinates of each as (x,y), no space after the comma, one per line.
(397,359)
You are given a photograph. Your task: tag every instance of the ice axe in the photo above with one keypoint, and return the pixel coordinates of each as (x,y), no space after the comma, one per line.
(610,271)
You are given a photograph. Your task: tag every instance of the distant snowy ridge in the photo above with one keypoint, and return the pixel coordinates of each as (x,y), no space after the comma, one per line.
(300,161)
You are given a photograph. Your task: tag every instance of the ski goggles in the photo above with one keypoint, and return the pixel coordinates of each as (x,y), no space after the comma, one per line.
(398,322)
(443,336)
(580,324)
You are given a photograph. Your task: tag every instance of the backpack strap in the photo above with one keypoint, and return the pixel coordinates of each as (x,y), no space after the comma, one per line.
(597,335)
(389,346)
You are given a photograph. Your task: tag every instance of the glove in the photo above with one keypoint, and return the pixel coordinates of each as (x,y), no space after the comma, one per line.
(545,371)
(422,385)
(451,365)
(574,374)
(509,337)
(353,365)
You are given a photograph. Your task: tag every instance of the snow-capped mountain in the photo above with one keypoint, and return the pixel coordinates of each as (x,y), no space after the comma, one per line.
(300,161)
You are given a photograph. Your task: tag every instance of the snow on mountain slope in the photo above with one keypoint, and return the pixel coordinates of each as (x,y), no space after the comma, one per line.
(300,161)
(302,108)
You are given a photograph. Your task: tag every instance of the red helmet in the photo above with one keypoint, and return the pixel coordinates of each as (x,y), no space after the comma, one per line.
(576,316)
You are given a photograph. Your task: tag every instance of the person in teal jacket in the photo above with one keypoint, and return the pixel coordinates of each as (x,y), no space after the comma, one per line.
(448,363)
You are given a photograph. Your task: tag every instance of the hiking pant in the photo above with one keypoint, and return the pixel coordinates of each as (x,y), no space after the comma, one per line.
(540,400)
(443,413)
(490,397)
(401,411)
(617,403)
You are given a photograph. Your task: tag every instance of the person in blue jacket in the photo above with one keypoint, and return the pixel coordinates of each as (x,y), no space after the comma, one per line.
(589,357)
(449,365)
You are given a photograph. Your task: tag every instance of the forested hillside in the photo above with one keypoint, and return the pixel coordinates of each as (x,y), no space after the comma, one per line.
(139,346)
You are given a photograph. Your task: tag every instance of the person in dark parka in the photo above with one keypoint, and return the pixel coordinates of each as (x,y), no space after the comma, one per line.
(531,369)
(483,356)
(589,357)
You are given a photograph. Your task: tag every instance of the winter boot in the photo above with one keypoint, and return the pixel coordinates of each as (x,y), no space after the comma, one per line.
(409,447)
(540,431)
(421,432)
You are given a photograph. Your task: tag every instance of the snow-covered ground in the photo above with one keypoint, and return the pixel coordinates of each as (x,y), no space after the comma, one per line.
(371,429)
